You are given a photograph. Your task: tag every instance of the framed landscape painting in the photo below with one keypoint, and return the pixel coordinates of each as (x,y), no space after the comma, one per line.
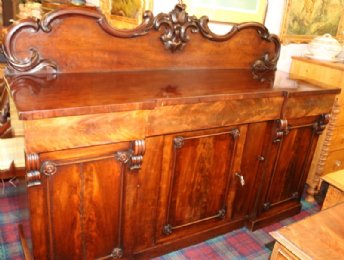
(229,11)
(304,20)
(125,14)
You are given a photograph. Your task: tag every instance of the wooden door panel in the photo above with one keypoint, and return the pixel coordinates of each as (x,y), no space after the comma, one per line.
(200,178)
(253,156)
(196,179)
(85,203)
(85,209)
(64,211)
(288,163)
(103,192)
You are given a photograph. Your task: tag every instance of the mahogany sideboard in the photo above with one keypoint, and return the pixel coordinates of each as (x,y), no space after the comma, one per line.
(144,141)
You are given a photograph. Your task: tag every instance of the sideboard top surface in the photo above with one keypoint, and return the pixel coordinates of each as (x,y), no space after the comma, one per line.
(58,95)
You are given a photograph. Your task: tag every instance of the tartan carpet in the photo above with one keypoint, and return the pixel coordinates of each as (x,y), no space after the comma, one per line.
(238,244)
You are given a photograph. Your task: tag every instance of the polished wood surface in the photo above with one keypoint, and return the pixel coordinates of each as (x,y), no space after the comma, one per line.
(35,96)
(326,226)
(134,51)
(329,155)
(145,141)
(335,192)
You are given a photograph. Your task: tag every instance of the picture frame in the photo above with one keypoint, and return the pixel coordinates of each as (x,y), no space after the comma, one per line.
(305,20)
(229,11)
(125,14)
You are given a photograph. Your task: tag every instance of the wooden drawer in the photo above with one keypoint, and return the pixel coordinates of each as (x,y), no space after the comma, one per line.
(340,118)
(335,161)
(337,139)
(301,106)
(281,253)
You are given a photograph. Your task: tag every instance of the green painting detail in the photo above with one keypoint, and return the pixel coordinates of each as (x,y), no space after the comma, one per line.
(126,8)
(314,17)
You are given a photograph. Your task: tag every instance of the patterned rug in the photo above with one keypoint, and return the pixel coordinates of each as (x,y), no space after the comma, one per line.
(239,244)
(13,211)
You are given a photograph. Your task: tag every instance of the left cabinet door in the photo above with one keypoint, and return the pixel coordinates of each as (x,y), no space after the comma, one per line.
(77,205)
(198,172)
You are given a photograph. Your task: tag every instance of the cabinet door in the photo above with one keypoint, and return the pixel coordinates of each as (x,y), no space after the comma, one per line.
(77,204)
(286,160)
(198,169)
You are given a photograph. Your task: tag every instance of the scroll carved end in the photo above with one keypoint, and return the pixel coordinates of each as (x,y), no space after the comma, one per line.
(134,156)
(320,125)
(33,178)
(281,130)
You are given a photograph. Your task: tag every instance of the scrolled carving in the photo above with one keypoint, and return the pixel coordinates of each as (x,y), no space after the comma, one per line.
(320,125)
(138,148)
(176,23)
(281,130)
(34,62)
(33,178)
(33,175)
(48,168)
(134,156)
(31,64)
(261,66)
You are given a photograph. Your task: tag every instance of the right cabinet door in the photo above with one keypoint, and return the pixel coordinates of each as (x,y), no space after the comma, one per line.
(284,164)
(199,169)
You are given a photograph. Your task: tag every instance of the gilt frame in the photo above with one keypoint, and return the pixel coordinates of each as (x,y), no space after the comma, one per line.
(123,22)
(305,20)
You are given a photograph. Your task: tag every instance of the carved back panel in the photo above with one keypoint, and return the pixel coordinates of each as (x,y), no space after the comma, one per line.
(75,40)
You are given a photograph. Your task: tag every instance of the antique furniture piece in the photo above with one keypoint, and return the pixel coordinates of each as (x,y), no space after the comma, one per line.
(335,192)
(141,142)
(296,241)
(329,155)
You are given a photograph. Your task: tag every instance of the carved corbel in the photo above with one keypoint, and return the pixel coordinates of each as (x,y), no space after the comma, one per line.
(33,175)
(281,130)
(134,156)
(320,125)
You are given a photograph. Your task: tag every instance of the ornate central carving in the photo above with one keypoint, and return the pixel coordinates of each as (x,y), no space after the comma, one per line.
(176,23)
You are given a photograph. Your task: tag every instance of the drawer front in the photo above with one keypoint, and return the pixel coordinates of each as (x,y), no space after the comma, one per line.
(340,119)
(302,106)
(282,253)
(187,117)
(61,133)
(335,161)
(337,142)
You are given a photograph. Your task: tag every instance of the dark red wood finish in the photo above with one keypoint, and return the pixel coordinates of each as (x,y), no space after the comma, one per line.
(141,142)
